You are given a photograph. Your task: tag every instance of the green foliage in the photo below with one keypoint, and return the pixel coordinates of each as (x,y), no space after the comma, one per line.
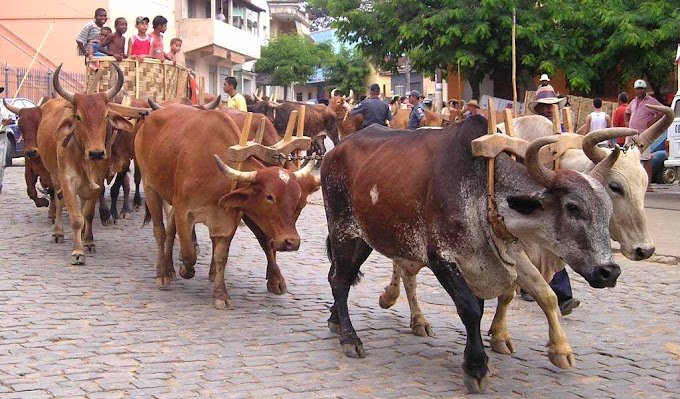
(587,39)
(346,71)
(291,58)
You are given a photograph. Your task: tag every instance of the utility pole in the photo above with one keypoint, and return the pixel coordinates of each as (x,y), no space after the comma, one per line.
(437,107)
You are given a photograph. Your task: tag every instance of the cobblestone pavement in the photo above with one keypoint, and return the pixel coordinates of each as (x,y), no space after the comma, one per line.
(104,330)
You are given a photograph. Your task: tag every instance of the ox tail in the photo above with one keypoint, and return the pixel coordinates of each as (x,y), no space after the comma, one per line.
(147,215)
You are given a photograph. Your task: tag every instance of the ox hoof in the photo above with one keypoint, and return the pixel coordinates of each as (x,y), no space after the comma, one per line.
(334,327)
(422,329)
(90,248)
(163,282)
(354,350)
(385,301)
(562,360)
(77,259)
(187,272)
(223,304)
(475,385)
(57,238)
(502,346)
(42,203)
(277,288)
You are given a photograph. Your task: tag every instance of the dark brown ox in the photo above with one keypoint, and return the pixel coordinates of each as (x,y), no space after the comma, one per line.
(347,123)
(177,148)
(29,120)
(74,142)
(319,120)
(439,220)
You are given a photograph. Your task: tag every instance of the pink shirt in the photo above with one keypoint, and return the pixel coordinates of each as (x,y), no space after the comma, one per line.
(140,46)
(642,117)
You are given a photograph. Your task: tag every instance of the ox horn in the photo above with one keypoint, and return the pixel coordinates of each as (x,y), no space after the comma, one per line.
(333,92)
(306,171)
(111,93)
(154,105)
(350,96)
(602,169)
(590,141)
(234,174)
(11,108)
(538,172)
(57,85)
(213,104)
(256,97)
(653,132)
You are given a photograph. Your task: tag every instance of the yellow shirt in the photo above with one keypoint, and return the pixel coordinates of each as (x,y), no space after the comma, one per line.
(238,102)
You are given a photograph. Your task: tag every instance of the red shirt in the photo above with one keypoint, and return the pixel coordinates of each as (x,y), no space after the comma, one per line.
(620,121)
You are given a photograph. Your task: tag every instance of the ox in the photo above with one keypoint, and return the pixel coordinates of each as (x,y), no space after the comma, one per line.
(29,120)
(400,118)
(347,123)
(439,220)
(319,120)
(177,163)
(74,142)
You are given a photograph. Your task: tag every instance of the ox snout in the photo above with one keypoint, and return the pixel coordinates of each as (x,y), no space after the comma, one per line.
(605,276)
(285,244)
(30,154)
(97,155)
(643,253)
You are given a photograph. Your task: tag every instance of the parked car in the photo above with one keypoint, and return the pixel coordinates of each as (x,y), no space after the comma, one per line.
(660,173)
(15,147)
(672,164)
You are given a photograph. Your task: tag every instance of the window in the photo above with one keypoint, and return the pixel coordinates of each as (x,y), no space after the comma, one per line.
(191,8)
(298,96)
(212,79)
(309,96)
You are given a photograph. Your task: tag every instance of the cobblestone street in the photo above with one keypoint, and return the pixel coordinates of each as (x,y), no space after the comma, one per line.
(104,330)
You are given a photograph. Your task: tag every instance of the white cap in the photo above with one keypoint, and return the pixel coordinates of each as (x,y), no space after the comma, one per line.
(640,84)
(545,77)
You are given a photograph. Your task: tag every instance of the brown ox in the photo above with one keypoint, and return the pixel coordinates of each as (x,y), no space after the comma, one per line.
(29,120)
(75,149)
(319,120)
(177,160)
(347,123)
(400,118)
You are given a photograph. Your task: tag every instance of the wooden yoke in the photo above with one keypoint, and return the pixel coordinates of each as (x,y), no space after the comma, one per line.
(495,220)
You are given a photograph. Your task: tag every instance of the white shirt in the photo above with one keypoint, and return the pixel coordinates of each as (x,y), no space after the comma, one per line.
(598,120)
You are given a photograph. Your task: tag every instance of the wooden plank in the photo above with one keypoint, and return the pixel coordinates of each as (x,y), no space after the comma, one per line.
(291,125)
(246,129)
(568,122)
(492,116)
(238,153)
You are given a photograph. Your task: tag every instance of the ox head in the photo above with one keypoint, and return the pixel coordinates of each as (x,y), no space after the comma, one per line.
(337,103)
(626,183)
(569,216)
(87,124)
(273,199)
(29,119)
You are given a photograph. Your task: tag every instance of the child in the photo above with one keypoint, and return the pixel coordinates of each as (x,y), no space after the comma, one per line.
(139,45)
(160,25)
(175,48)
(95,48)
(115,42)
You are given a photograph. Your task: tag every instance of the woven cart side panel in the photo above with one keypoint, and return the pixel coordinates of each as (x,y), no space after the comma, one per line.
(151,81)
(109,76)
(171,79)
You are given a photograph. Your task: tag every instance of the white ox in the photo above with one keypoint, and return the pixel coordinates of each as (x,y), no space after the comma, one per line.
(625,183)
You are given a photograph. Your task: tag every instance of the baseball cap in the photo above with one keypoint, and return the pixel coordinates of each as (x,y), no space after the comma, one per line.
(640,84)
(375,87)
(545,77)
(140,19)
(414,93)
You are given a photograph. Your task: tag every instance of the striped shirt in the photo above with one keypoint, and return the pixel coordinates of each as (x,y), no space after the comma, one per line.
(89,33)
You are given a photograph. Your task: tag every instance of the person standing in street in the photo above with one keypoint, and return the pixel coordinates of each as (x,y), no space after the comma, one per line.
(417,116)
(619,119)
(373,109)
(597,120)
(236,99)
(639,117)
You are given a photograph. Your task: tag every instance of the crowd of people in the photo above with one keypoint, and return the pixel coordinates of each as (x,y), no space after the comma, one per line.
(96,40)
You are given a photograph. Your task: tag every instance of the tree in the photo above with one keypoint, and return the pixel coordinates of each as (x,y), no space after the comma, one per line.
(347,71)
(291,58)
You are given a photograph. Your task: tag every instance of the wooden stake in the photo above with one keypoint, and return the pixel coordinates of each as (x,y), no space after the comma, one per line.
(568,122)
(246,129)
(260,131)
(492,116)
(300,131)
(291,125)
(509,126)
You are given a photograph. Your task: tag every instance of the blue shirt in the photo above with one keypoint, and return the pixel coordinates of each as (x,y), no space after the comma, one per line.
(417,113)
(374,110)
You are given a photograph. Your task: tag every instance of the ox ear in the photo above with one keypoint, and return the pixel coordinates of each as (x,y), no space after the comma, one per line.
(236,198)
(524,204)
(67,126)
(119,122)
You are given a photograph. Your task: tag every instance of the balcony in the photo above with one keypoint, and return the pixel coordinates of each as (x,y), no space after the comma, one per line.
(288,11)
(219,39)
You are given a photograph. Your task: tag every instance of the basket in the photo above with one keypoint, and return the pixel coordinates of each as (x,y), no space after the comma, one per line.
(145,78)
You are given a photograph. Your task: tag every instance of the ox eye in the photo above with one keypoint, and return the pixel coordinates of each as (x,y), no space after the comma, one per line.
(616,188)
(78,117)
(573,210)
(270,198)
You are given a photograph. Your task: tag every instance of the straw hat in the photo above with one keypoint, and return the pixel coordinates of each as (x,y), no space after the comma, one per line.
(473,103)
(547,97)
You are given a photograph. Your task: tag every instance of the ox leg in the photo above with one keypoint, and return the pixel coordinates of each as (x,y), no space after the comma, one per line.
(88,214)
(220,255)
(104,211)
(52,210)
(389,297)
(154,204)
(187,249)
(347,255)
(276,283)
(419,324)
(58,235)
(127,209)
(114,192)
(137,200)
(501,341)
(77,222)
(531,280)
(470,309)
(170,232)
(31,180)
